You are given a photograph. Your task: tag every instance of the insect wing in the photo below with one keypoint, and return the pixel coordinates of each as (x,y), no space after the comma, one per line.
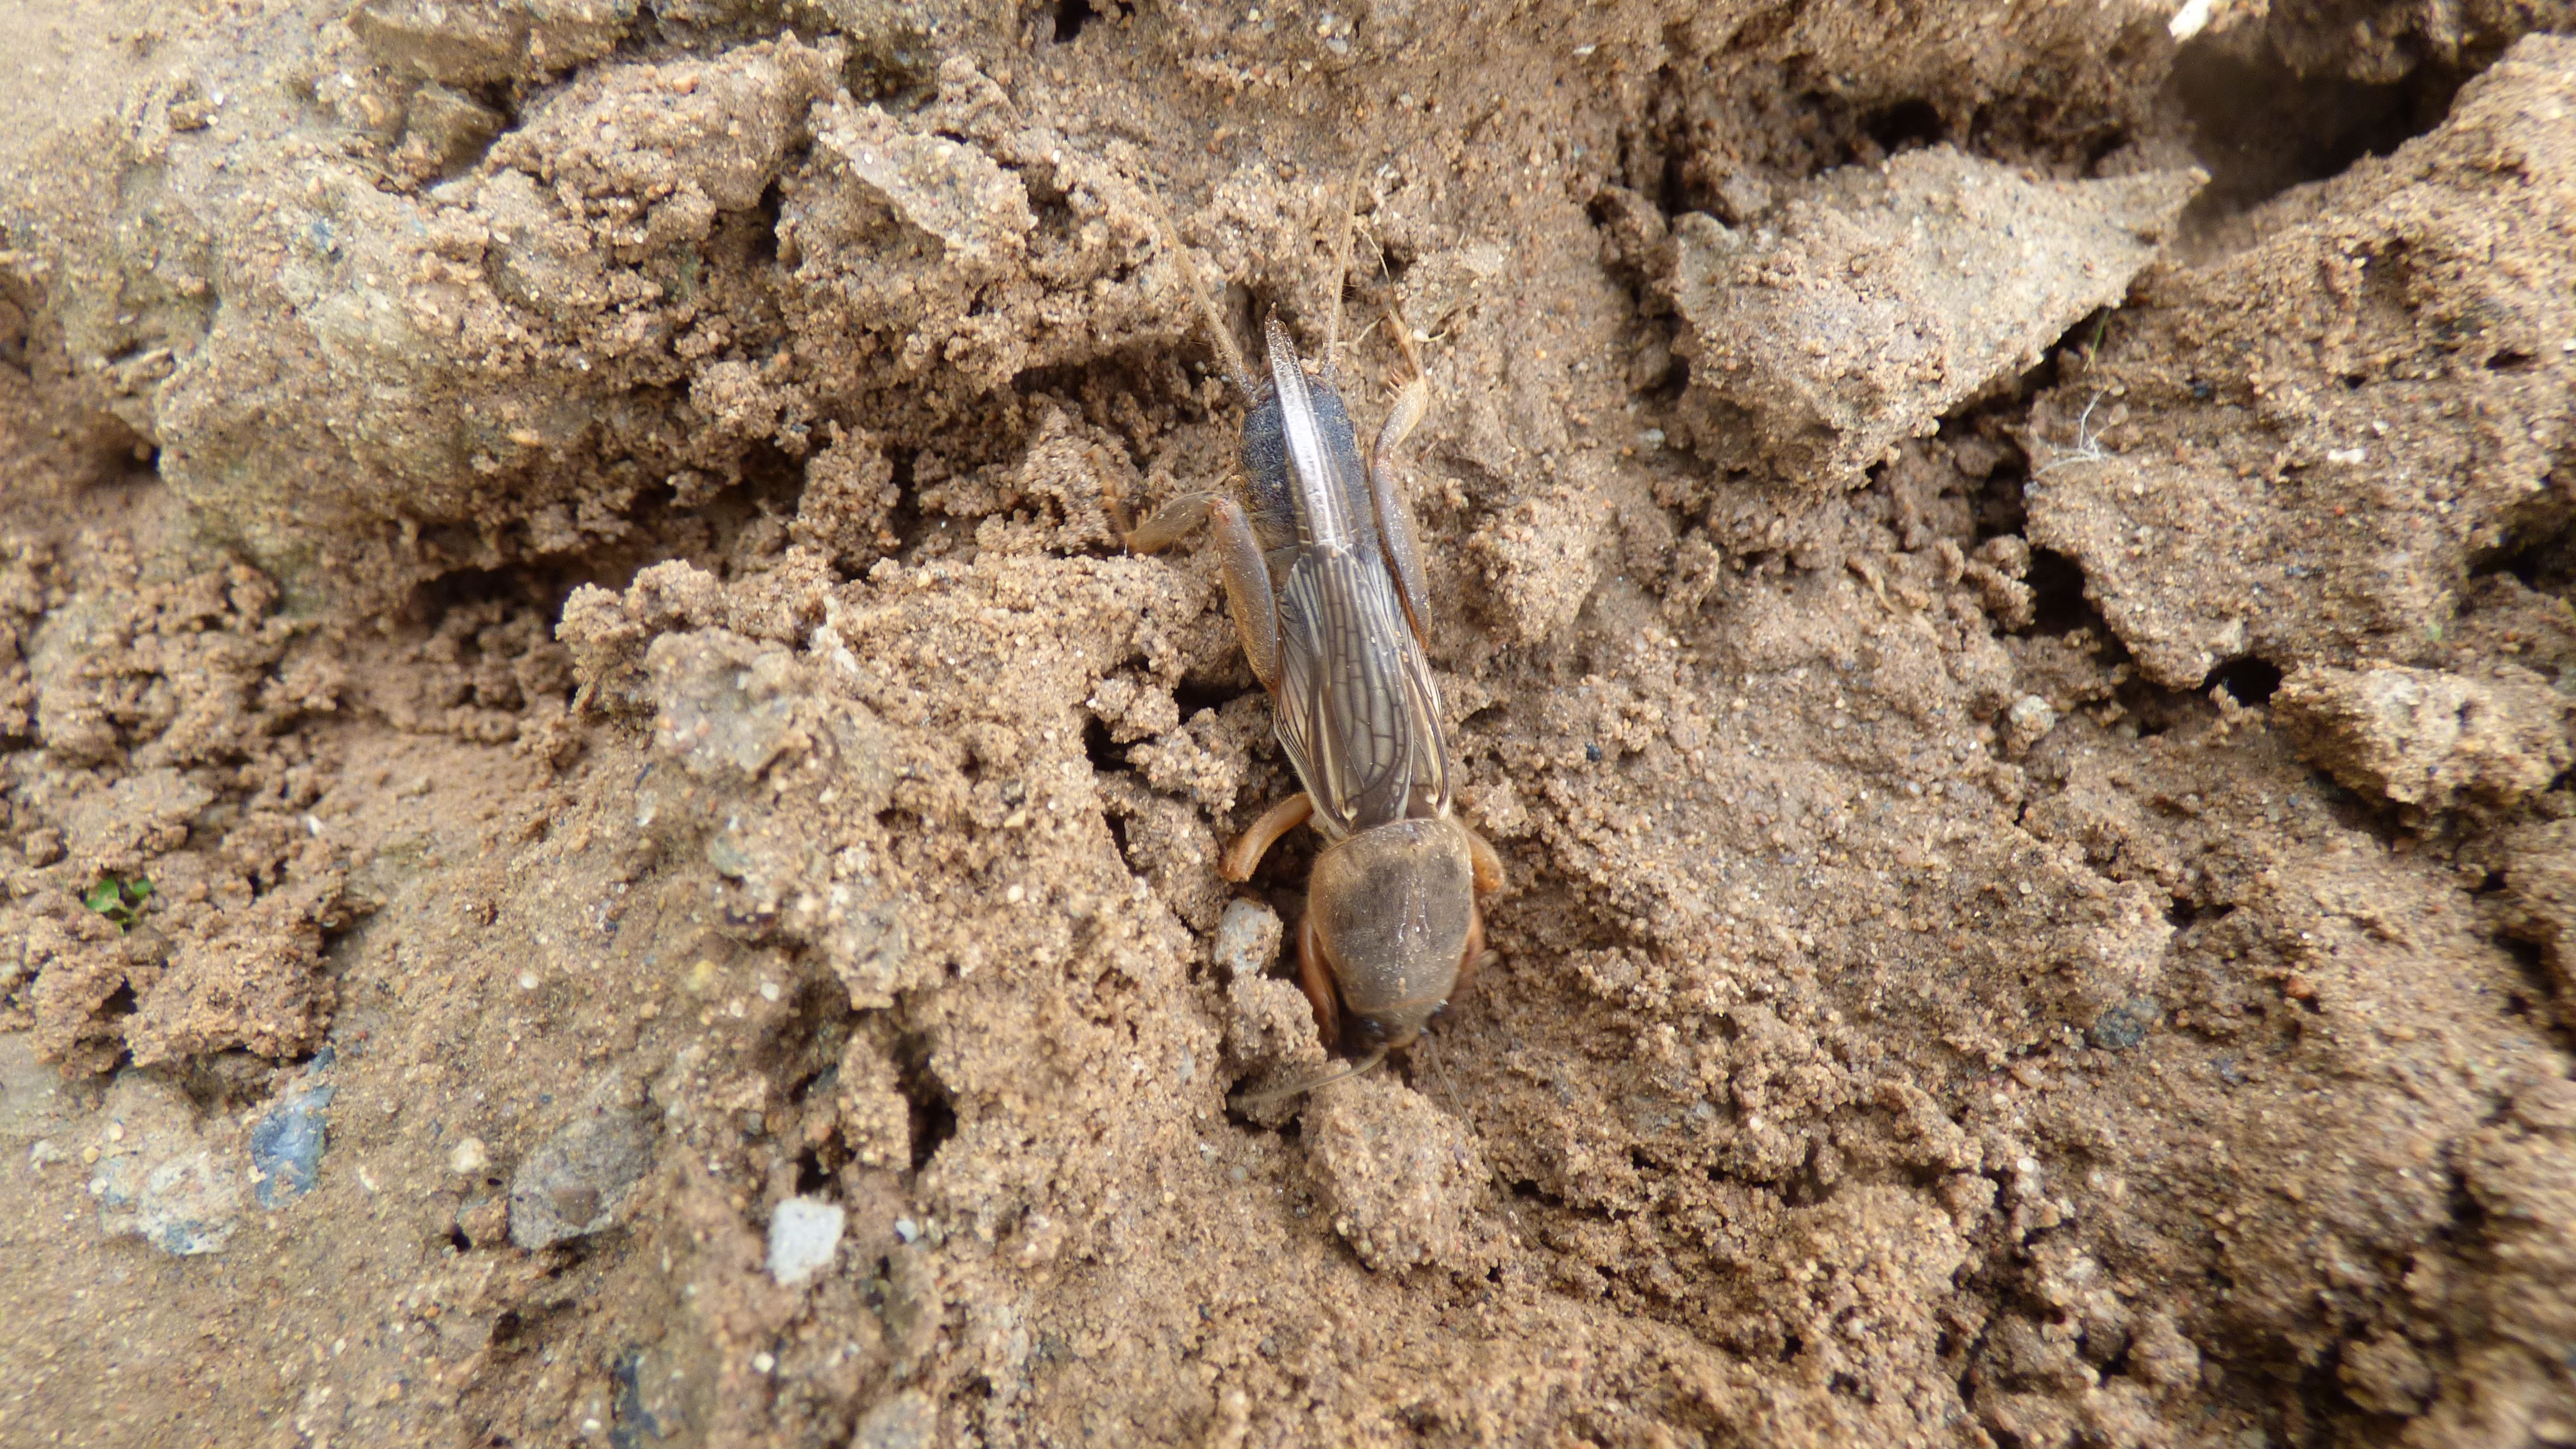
(1358,713)
(1324,486)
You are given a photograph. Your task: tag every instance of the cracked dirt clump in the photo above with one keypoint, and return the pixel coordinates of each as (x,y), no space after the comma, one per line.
(1398,1176)
(171,763)
(2297,448)
(2425,737)
(1875,300)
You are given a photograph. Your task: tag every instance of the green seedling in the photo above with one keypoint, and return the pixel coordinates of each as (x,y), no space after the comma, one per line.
(119,900)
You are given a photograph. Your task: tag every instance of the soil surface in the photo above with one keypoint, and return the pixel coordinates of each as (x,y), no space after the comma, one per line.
(602,845)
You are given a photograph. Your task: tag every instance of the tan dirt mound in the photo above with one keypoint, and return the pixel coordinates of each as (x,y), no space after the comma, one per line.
(602,845)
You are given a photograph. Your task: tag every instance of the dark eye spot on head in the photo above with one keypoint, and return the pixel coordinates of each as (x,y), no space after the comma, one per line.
(1592,753)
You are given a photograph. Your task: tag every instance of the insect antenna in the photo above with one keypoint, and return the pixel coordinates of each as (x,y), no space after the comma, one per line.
(1326,1078)
(1341,274)
(1440,1083)
(1503,1188)
(1220,335)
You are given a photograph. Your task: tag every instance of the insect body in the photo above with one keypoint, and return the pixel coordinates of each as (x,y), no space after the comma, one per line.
(1324,581)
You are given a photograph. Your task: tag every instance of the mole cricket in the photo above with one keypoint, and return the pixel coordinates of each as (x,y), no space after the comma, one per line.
(1324,581)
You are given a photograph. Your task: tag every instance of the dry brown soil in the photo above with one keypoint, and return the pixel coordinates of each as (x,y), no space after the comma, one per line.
(2002,584)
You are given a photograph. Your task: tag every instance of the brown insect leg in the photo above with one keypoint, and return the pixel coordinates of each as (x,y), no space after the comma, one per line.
(1247,591)
(1316,978)
(1244,855)
(1394,517)
(1247,576)
(1475,954)
(1167,527)
(1488,865)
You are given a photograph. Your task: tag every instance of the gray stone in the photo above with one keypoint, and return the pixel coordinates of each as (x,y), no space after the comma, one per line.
(724,702)
(906,1421)
(183,1205)
(1877,298)
(286,1147)
(160,1180)
(1247,940)
(2125,1025)
(581,1179)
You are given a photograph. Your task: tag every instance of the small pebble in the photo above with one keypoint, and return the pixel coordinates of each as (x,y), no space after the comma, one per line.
(468,1157)
(2028,721)
(906,1421)
(579,1181)
(286,1146)
(803,1235)
(2124,1025)
(906,1229)
(1246,939)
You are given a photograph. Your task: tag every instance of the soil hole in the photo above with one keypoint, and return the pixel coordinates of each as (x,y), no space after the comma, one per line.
(933,1114)
(2057,593)
(119,1003)
(2185,912)
(1906,126)
(2536,1000)
(1107,756)
(1070,17)
(509,1331)
(1189,697)
(2249,679)
(501,592)
(810,1176)
(2262,127)
(2539,550)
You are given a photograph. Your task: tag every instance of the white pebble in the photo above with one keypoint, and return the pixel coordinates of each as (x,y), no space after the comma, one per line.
(803,1235)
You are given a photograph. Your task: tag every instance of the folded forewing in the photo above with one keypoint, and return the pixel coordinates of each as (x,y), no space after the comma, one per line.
(1325,468)
(1358,713)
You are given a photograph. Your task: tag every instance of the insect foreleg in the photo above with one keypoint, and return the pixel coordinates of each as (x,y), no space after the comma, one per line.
(1247,575)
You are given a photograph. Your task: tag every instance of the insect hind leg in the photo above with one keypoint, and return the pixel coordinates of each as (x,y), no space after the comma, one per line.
(1394,515)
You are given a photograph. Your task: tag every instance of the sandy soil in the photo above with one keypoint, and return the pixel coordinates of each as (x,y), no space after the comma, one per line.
(602,846)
